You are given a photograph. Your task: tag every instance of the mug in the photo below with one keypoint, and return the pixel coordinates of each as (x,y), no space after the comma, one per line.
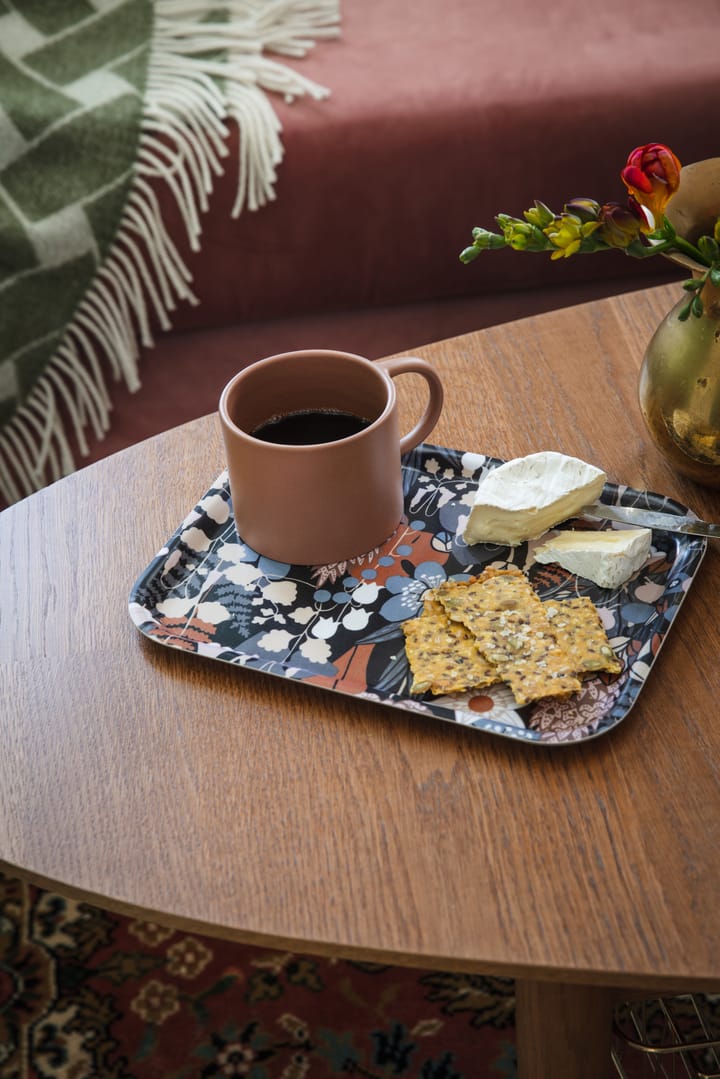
(313,502)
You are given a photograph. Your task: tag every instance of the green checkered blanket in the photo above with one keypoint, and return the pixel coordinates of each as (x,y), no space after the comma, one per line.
(101,100)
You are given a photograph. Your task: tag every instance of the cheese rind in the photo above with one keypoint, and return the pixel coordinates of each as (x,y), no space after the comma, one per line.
(608,559)
(521,499)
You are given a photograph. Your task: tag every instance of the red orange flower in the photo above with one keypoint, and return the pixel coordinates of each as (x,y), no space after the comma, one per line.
(652,176)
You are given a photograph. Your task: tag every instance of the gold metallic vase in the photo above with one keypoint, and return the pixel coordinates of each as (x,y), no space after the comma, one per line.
(680,390)
(679,386)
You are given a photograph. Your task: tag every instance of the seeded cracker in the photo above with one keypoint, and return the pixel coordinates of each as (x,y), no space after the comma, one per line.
(497,597)
(443,656)
(497,620)
(580,631)
(511,628)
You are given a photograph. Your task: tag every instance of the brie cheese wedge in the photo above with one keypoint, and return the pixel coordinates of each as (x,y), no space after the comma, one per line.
(523,498)
(609,559)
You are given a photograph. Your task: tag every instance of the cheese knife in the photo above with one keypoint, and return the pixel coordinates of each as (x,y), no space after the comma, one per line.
(642,518)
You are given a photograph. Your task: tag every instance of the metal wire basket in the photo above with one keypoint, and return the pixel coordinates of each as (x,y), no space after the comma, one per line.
(668,1037)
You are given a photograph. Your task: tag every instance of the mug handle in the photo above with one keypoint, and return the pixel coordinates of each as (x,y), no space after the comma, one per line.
(402,365)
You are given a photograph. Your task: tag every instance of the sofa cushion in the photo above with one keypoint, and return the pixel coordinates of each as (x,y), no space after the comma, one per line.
(440,115)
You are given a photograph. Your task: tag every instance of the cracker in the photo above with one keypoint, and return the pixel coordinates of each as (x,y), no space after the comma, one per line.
(495,628)
(510,625)
(506,594)
(580,631)
(537,665)
(443,656)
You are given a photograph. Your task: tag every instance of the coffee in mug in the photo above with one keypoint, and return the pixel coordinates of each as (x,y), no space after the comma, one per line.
(314,452)
(310,426)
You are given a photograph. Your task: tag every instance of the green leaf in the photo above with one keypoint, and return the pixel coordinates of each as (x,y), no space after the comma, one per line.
(709,248)
(226,982)
(684,312)
(147,1045)
(540,215)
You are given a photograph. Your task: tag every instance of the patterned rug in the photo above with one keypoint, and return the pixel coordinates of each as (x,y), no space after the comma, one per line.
(85,993)
(106,105)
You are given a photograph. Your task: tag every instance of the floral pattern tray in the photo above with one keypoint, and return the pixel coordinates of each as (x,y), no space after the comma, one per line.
(339,627)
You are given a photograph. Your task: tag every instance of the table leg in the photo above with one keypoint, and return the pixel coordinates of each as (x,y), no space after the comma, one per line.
(563,1030)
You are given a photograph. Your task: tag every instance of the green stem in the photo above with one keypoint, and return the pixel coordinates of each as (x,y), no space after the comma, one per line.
(640,250)
(686,248)
(677,245)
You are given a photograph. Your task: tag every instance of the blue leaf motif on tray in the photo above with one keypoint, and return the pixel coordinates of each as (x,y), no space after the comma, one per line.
(407,592)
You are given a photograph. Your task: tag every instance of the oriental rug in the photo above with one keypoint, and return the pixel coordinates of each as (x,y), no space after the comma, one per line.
(89,994)
(103,104)
(85,993)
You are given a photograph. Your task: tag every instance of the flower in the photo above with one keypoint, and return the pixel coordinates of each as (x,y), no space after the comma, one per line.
(156,1002)
(619,225)
(567,232)
(150,933)
(188,957)
(641,228)
(407,593)
(652,176)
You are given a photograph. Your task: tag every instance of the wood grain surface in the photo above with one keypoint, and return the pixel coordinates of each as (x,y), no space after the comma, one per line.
(247,807)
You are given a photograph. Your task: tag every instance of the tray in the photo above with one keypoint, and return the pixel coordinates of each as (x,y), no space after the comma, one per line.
(339,627)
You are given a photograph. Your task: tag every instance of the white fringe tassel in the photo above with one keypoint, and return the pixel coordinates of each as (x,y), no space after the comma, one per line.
(189,98)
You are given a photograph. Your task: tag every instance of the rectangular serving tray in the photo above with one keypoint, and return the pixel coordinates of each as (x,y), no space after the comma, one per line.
(339,627)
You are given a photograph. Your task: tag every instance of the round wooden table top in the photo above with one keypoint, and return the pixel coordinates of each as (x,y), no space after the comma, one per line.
(253,808)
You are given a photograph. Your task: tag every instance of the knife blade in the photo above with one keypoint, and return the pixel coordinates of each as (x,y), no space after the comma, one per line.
(642,518)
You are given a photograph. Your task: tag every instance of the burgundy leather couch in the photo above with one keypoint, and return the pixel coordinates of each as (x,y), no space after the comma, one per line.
(440,115)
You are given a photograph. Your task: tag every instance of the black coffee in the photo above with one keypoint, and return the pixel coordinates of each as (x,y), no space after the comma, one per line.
(309,427)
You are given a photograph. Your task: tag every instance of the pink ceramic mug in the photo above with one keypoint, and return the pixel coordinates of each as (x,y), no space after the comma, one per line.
(319,502)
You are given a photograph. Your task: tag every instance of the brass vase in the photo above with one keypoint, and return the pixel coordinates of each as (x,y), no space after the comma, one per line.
(679,386)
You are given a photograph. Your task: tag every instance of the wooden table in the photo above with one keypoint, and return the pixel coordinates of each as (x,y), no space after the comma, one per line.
(235,804)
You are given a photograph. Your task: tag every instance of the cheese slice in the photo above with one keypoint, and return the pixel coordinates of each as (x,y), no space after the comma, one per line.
(609,559)
(521,499)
